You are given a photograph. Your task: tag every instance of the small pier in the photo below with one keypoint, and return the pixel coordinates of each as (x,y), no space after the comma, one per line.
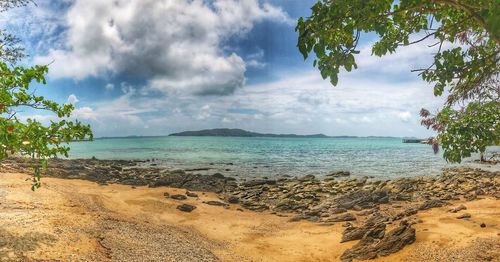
(414,140)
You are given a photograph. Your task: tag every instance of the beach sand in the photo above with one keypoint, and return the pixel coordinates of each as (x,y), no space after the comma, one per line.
(77,220)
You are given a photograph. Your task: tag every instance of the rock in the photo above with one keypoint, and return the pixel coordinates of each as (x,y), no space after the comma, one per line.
(186,207)
(356,233)
(304,217)
(166,194)
(408,212)
(432,203)
(233,200)
(218,175)
(258,182)
(464,216)
(177,172)
(396,239)
(191,194)
(482,225)
(373,227)
(337,210)
(215,203)
(370,248)
(341,218)
(307,178)
(361,199)
(456,209)
(339,174)
(178,197)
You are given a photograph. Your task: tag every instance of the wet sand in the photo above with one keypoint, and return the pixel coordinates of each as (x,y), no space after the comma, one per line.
(77,220)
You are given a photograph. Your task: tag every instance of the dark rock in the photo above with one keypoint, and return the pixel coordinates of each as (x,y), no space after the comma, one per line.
(369,247)
(356,233)
(432,203)
(362,199)
(456,209)
(233,200)
(215,203)
(482,225)
(304,217)
(186,207)
(374,227)
(464,216)
(408,212)
(339,174)
(337,210)
(191,194)
(258,182)
(166,194)
(396,239)
(340,218)
(178,197)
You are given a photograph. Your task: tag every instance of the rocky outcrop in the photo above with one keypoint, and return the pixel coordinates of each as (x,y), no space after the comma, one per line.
(367,205)
(372,245)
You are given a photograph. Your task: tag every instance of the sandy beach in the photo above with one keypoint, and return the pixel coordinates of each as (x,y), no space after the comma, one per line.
(77,220)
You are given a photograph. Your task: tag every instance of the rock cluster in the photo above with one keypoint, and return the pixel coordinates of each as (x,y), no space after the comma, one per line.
(368,203)
(127,172)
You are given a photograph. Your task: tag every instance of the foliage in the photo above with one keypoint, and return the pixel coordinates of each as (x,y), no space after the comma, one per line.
(30,137)
(468,72)
(8,4)
(465,131)
(10,49)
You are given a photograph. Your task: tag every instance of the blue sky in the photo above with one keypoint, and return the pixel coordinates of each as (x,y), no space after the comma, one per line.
(156,67)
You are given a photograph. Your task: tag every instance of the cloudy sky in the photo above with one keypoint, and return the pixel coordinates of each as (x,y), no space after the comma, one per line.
(146,67)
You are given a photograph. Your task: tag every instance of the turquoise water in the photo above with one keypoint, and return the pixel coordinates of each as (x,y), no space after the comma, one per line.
(256,157)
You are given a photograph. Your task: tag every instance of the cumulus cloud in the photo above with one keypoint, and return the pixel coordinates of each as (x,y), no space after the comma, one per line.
(175,44)
(72,99)
(298,104)
(84,113)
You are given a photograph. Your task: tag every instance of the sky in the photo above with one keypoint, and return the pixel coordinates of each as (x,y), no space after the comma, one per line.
(146,67)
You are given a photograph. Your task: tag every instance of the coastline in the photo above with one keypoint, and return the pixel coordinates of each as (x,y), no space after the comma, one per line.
(247,221)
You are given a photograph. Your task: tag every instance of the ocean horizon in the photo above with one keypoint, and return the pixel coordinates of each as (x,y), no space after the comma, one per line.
(257,157)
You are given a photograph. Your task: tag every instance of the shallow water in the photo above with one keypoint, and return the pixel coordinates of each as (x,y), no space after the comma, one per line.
(247,157)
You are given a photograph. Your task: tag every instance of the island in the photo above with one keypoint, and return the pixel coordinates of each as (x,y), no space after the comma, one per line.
(242,133)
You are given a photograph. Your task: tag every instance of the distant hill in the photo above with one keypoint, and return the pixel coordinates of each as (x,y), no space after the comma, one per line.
(240,133)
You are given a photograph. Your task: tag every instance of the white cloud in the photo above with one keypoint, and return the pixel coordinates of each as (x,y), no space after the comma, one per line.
(176,44)
(72,99)
(404,116)
(84,113)
(109,87)
(297,104)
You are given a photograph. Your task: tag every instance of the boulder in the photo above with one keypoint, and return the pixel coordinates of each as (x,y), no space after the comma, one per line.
(186,208)
(178,197)
(369,247)
(191,194)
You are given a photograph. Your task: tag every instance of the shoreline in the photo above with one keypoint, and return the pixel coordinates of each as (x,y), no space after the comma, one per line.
(366,218)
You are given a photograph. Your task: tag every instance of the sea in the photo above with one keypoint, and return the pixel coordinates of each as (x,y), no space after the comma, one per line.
(258,157)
